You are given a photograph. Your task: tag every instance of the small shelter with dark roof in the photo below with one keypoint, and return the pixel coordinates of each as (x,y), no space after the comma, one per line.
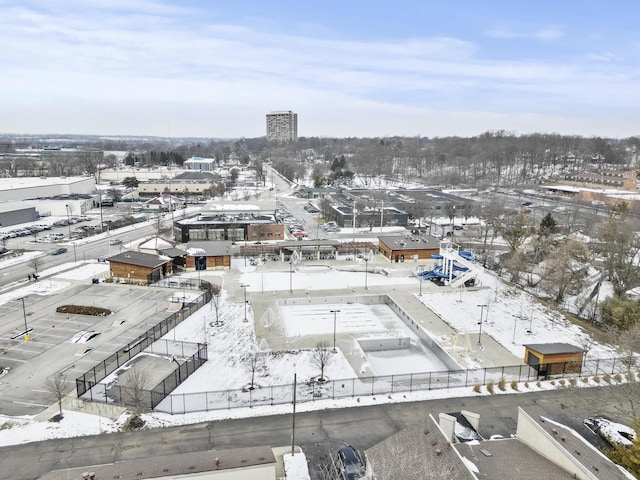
(139,267)
(401,248)
(554,358)
(208,255)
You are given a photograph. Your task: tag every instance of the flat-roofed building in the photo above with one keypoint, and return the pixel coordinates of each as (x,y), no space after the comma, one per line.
(282,126)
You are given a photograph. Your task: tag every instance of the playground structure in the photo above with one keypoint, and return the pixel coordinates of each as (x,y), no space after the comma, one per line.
(455,267)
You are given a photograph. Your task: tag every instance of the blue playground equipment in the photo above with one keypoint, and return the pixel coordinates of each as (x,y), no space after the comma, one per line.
(453,266)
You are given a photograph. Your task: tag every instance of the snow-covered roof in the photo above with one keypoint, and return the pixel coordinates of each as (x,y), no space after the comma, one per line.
(209,249)
(156,243)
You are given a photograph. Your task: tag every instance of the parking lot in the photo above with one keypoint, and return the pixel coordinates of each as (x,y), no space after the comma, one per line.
(55,346)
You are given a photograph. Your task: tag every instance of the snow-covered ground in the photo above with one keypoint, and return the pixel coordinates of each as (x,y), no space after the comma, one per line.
(510,316)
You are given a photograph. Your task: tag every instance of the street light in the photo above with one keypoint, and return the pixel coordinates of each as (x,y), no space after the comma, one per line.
(366,270)
(482,307)
(68,220)
(75,259)
(335,313)
(27,337)
(244,286)
(290,276)
(453,221)
(420,280)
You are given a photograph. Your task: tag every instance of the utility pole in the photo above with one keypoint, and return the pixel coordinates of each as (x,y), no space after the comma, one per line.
(293,426)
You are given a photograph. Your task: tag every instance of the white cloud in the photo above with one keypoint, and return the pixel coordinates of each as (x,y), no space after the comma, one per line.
(95,67)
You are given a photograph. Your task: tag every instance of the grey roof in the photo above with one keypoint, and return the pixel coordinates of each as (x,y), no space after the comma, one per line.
(140,259)
(553,348)
(511,459)
(197,175)
(172,465)
(173,252)
(209,248)
(581,451)
(414,453)
(403,242)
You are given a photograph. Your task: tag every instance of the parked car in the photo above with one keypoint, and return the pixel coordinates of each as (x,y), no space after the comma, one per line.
(616,434)
(59,251)
(350,463)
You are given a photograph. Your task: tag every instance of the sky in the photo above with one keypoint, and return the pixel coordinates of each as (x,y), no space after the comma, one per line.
(349,69)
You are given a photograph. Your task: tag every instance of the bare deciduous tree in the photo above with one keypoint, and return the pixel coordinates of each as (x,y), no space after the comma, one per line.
(57,388)
(321,356)
(215,301)
(36,263)
(625,398)
(565,269)
(136,383)
(254,362)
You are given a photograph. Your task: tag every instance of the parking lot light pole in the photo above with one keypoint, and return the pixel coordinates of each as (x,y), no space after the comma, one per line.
(366,271)
(75,258)
(335,313)
(244,286)
(68,220)
(27,337)
(482,307)
(290,276)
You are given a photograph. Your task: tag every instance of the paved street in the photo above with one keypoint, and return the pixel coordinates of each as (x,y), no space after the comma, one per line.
(319,433)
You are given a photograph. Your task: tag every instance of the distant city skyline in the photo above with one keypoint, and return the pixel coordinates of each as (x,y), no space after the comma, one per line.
(348,69)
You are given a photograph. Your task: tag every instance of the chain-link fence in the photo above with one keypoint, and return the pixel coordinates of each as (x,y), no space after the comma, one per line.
(91,379)
(383,385)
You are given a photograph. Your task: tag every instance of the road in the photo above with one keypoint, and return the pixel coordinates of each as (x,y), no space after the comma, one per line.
(88,248)
(319,433)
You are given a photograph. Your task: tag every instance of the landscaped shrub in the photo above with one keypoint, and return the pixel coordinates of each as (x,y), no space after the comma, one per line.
(514,385)
(596,378)
(618,378)
(476,388)
(573,382)
(501,384)
(607,378)
(490,386)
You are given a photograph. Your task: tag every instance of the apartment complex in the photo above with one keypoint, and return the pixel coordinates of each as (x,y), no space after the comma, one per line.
(282,126)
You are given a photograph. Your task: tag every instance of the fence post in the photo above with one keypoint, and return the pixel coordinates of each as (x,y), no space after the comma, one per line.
(353,386)
(484,378)
(373,381)
(391,383)
(411,383)
(613,366)
(448,377)
(466,378)
(429,387)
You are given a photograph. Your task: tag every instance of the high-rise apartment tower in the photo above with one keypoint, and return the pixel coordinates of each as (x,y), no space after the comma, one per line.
(282,126)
